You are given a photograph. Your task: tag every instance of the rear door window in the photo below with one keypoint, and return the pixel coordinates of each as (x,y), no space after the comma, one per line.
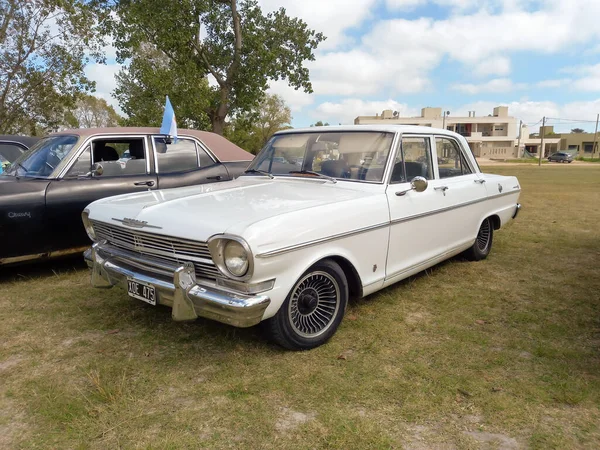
(180,155)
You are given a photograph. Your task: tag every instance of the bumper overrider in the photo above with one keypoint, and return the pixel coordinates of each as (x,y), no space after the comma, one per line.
(175,286)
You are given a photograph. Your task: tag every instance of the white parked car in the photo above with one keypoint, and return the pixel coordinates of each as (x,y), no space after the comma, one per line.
(288,245)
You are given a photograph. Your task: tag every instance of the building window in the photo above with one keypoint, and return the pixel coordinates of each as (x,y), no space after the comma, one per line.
(573,148)
(588,147)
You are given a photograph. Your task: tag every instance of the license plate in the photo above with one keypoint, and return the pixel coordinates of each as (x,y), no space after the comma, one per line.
(141,291)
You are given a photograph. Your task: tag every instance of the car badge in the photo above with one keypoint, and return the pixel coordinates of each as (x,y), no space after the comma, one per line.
(133,223)
(500,187)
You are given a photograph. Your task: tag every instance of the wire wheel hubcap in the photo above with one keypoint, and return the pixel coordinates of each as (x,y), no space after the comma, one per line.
(314,304)
(483,237)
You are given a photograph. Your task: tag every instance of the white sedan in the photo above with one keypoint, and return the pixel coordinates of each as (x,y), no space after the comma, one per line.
(288,244)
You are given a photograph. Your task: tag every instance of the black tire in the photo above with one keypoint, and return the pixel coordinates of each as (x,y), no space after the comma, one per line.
(483,242)
(569,162)
(313,309)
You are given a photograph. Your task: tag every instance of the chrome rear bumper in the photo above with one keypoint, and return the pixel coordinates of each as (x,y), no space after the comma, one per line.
(518,208)
(175,286)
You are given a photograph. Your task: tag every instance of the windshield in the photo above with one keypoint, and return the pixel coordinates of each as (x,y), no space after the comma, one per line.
(41,159)
(346,155)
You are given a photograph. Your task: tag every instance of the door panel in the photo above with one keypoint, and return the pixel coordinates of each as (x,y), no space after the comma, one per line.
(66,199)
(124,162)
(462,189)
(22,217)
(415,236)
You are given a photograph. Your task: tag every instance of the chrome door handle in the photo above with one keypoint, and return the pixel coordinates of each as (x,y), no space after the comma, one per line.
(441,188)
(144,183)
(480,181)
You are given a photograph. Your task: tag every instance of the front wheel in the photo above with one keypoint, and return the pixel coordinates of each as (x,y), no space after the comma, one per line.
(483,243)
(313,309)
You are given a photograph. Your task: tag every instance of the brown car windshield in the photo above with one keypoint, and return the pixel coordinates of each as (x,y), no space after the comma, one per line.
(343,155)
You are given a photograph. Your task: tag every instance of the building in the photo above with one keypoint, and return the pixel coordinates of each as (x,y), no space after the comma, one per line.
(495,136)
(578,144)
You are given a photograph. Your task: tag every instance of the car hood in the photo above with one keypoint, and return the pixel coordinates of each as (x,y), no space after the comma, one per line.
(248,206)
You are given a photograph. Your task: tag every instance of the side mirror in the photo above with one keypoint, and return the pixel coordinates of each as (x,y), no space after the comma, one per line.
(98,170)
(418,184)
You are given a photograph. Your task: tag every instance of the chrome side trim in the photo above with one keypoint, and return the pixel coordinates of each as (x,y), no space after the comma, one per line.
(425,264)
(55,254)
(320,241)
(449,208)
(294,247)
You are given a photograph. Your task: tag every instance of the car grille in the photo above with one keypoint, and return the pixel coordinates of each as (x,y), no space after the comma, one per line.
(158,246)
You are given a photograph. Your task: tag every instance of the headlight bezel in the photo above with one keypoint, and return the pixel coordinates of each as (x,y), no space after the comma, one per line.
(216,246)
(87,224)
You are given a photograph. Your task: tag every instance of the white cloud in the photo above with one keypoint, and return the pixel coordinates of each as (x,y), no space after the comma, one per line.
(399,55)
(330,17)
(404,4)
(497,85)
(104,76)
(295,99)
(590,79)
(553,83)
(495,65)
(347,110)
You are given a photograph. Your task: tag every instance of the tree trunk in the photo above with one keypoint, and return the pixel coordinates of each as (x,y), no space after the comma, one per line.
(218,124)
(217,118)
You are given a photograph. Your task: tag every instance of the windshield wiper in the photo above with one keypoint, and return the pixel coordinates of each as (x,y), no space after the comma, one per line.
(310,172)
(262,172)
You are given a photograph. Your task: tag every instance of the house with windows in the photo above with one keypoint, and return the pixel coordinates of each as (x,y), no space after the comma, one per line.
(578,144)
(494,136)
(489,136)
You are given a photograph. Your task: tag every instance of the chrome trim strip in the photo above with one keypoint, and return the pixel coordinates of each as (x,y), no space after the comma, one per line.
(294,247)
(320,241)
(449,208)
(47,255)
(423,264)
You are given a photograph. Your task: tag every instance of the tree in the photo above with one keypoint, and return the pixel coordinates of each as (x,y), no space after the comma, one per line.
(43,48)
(241,48)
(577,130)
(252,130)
(94,112)
(320,124)
(142,86)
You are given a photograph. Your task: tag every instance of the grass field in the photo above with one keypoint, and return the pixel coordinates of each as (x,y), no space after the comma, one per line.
(503,353)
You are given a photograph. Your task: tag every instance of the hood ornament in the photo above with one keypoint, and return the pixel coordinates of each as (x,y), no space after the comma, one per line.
(133,223)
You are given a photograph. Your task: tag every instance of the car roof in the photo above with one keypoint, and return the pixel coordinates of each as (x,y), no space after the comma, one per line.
(412,129)
(223,149)
(25,140)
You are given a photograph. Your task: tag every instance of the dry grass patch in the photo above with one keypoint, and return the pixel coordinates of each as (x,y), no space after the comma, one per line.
(503,353)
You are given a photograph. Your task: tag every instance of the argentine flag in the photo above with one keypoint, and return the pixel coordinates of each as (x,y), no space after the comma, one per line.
(169,125)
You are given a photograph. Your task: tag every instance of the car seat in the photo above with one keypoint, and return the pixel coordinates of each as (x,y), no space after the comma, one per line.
(337,168)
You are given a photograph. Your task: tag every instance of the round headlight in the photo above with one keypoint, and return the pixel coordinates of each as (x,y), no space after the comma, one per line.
(236,258)
(87,224)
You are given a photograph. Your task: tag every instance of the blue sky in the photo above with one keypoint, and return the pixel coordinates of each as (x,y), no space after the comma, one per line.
(538,57)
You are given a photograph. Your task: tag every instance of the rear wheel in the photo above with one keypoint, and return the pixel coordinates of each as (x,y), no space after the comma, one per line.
(313,309)
(483,243)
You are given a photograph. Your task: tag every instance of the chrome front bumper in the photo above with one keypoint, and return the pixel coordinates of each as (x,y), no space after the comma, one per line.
(175,286)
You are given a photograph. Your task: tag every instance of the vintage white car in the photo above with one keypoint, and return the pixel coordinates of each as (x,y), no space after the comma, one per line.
(321,215)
